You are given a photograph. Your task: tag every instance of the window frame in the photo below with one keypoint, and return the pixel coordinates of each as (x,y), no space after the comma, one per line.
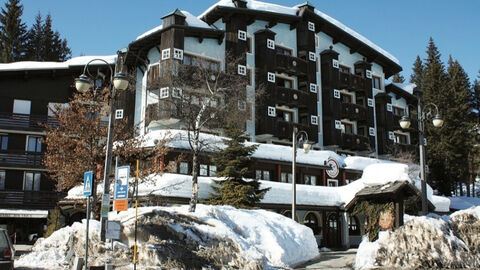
(272,111)
(242,35)
(3,141)
(164,92)
(3,177)
(271,77)
(242,70)
(335,181)
(270,44)
(37,141)
(178,54)
(35,185)
(166,54)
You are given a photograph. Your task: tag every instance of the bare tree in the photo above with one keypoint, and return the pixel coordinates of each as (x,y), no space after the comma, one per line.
(200,96)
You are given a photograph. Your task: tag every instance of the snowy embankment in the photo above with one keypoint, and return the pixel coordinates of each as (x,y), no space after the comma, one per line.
(428,242)
(212,236)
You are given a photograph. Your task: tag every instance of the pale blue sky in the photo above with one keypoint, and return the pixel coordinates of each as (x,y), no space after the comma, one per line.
(402,27)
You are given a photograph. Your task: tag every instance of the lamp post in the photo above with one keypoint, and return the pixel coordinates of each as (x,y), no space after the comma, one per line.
(306,147)
(424,113)
(120,82)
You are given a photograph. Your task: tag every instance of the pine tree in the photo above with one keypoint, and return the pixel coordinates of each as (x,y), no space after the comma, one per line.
(233,163)
(398,78)
(12,32)
(458,123)
(44,44)
(417,75)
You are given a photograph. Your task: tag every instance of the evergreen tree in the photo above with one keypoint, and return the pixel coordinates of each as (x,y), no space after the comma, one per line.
(44,44)
(417,75)
(434,84)
(398,78)
(233,163)
(458,123)
(12,32)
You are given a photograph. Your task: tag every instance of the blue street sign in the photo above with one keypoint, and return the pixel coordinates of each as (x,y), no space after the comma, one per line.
(121,183)
(87,183)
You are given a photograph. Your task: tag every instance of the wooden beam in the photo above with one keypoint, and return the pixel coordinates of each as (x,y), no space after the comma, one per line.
(337,39)
(271,23)
(293,25)
(356,49)
(251,19)
(200,38)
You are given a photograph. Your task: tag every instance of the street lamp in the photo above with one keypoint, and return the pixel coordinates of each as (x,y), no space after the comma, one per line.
(120,82)
(303,142)
(437,121)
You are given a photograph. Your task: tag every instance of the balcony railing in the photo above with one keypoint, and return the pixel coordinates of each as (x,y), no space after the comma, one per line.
(351,82)
(12,158)
(26,121)
(354,142)
(406,148)
(354,111)
(291,65)
(283,129)
(29,199)
(291,97)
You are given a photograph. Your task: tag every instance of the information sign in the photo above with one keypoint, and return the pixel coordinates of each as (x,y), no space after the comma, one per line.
(87,183)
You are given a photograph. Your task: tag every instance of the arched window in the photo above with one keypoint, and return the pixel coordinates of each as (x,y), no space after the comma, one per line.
(311,221)
(353,225)
(288,214)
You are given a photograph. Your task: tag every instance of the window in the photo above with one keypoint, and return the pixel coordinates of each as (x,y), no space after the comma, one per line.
(346,98)
(2,180)
(203,170)
(338,124)
(54,107)
(31,181)
(401,138)
(398,111)
(262,175)
(313,88)
(34,144)
(166,54)
(368,74)
(284,82)
(172,165)
(242,105)
(344,69)
(164,92)
(311,26)
(332,182)
(284,115)
(3,142)
(370,102)
(376,82)
(270,44)
(21,106)
(177,92)
(311,221)
(347,127)
(311,56)
(271,77)
(178,54)
(242,35)
(183,167)
(336,93)
(283,50)
(391,135)
(249,45)
(335,63)
(119,114)
(213,170)
(389,107)
(314,120)
(310,180)
(353,228)
(362,131)
(242,70)
(371,131)
(286,177)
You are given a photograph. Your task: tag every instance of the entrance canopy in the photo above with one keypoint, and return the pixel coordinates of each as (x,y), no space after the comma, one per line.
(21,213)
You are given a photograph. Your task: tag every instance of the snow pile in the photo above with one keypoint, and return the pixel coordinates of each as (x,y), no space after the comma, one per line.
(430,242)
(213,236)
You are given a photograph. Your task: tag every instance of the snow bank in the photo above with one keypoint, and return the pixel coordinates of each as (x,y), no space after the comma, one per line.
(429,242)
(262,237)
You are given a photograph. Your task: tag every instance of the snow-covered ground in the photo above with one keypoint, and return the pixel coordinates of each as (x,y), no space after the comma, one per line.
(257,238)
(430,242)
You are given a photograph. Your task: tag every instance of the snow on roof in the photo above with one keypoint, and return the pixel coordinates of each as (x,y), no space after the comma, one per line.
(407,87)
(442,204)
(189,18)
(257,5)
(360,163)
(76,61)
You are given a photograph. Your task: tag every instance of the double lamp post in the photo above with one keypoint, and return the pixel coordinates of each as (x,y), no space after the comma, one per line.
(427,112)
(120,82)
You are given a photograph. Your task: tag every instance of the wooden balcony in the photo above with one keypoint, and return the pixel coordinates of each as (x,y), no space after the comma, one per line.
(43,200)
(351,82)
(354,142)
(13,158)
(26,121)
(408,148)
(284,130)
(354,111)
(291,97)
(291,65)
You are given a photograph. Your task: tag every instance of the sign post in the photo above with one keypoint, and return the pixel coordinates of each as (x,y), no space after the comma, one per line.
(121,189)
(87,191)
